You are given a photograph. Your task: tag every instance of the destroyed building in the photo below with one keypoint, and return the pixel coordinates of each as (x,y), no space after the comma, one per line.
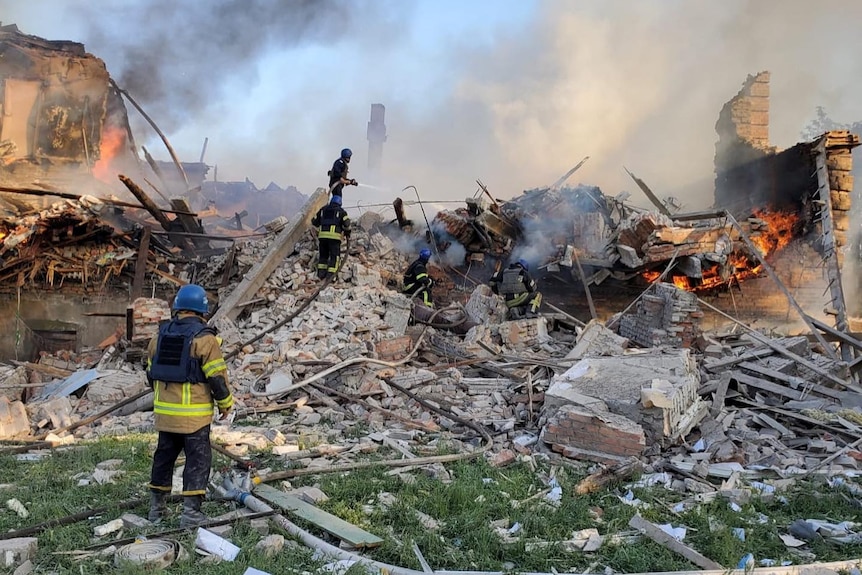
(70,269)
(793,205)
(645,385)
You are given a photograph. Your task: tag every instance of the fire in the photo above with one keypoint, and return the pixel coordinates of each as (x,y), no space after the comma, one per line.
(779,230)
(113,140)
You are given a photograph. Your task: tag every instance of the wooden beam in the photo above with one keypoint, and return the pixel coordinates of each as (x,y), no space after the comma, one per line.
(730,362)
(147,202)
(281,248)
(228,266)
(333,525)
(785,352)
(792,381)
(161,134)
(71,196)
(141,263)
(767,386)
(649,194)
(190,223)
(654,532)
(841,336)
(583,278)
(156,212)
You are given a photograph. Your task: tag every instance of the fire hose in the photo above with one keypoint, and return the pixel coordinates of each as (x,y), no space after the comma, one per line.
(155,553)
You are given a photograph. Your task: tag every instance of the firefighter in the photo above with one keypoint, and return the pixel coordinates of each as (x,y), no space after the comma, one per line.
(338,174)
(332,222)
(518,288)
(188,374)
(417,282)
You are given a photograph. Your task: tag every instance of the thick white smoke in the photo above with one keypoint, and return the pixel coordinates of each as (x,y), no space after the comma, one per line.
(280,90)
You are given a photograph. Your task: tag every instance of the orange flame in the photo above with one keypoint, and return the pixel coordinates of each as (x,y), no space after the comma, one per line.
(113,140)
(780,229)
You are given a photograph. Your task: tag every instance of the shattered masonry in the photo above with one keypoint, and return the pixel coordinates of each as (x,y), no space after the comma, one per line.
(661,382)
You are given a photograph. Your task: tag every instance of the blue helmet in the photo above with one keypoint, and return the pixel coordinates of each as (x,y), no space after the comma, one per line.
(335,201)
(346,153)
(523,263)
(424,254)
(191,297)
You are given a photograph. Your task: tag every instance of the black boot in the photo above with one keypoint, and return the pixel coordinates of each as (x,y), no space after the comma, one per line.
(158,506)
(192,515)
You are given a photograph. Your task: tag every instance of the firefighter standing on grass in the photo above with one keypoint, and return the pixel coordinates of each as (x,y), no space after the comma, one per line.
(188,375)
(417,282)
(519,290)
(332,222)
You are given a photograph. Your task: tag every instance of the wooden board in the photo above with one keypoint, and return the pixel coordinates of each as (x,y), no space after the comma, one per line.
(653,531)
(333,525)
(769,386)
(792,381)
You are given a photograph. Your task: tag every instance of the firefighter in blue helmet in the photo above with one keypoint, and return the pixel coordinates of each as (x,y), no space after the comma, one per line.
(188,374)
(417,282)
(338,174)
(519,290)
(332,223)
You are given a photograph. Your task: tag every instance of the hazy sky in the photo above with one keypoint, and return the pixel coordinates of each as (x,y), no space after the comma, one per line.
(513,92)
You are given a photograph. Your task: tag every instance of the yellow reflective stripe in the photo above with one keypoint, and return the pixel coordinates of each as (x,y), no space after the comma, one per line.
(226,402)
(149,363)
(219,339)
(187,393)
(420,276)
(329,235)
(518,300)
(216,365)
(176,410)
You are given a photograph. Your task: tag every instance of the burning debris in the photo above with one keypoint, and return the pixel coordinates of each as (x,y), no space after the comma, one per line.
(355,364)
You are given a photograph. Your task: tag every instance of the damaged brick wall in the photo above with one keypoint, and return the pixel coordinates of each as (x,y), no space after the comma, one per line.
(759,302)
(91,330)
(749,172)
(669,316)
(57,106)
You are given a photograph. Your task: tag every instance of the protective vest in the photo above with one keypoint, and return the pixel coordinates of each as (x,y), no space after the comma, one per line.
(173,361)
(513,282)
(331,222)
(415,275)
(338,171)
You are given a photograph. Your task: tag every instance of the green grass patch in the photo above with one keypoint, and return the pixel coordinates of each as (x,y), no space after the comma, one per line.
(465,508)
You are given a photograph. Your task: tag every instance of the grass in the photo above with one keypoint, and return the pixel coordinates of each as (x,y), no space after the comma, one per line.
(465,508)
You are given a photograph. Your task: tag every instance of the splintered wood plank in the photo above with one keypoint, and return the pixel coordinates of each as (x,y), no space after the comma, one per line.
(333,525)
(793,381)
(655,533)
(769,386)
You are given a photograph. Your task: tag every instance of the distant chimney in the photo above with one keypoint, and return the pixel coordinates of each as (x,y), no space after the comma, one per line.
(376,137)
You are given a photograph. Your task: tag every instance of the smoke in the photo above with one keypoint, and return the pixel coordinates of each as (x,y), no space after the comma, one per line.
(181,56)
(280,87)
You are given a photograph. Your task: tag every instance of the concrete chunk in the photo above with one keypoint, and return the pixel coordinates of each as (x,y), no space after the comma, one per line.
(597,340)
(13,419)
(17,551)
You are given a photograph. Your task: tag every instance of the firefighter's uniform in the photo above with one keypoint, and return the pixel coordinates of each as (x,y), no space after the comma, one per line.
(417,282)
(332,223)
(189,376)
(519,290)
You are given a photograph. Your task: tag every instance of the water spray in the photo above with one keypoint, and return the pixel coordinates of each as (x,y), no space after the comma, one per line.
(369,186)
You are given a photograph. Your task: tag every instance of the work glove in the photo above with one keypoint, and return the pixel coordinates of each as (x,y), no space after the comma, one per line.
(353,182)
(223,413)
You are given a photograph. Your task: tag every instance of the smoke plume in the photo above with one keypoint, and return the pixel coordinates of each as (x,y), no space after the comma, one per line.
(280,87)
